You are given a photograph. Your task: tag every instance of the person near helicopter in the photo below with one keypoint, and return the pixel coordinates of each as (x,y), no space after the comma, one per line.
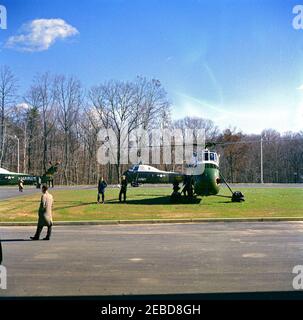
(101,189)
(188,187)
(20,185)
(123,189)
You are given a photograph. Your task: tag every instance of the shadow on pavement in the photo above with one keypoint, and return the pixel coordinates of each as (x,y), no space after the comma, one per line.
(13,240)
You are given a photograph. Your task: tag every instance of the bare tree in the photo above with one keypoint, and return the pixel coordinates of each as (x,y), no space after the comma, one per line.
(33,136)
(90,126)
(54,121)
(41,96)
(8,91)
(195,123)
(151,103)
(18,125)
(68,95)
(125,106)
(233,153)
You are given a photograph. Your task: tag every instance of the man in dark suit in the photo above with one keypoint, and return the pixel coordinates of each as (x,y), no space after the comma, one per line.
(1,252)
(123,189)
(101,189)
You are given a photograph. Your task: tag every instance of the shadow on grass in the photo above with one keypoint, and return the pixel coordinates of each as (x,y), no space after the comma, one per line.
(60,201)
(156,201)
(222,196)
(227,202)
(25,201)
(80,204)
(148,195)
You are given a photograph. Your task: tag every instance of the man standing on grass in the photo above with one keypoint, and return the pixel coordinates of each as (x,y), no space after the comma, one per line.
(101,189)
(123,189)
(45,215)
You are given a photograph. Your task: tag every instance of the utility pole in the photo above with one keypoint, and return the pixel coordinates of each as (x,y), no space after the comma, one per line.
(261,146)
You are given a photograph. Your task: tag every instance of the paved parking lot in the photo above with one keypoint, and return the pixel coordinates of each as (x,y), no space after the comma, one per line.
(152,259)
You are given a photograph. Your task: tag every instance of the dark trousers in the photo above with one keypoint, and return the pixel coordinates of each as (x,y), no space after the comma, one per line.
(102,194)
(0,252)
(122,192)
(50,183)
(39,230)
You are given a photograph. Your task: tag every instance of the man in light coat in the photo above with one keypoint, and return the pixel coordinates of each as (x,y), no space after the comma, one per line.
(45,215)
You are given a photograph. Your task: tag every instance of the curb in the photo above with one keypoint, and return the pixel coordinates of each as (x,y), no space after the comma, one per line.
(154,221)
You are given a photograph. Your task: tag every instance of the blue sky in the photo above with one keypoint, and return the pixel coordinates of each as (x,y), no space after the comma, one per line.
(239,63)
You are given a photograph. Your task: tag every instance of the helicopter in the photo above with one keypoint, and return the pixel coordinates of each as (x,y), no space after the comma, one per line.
(203,178)
(13,178)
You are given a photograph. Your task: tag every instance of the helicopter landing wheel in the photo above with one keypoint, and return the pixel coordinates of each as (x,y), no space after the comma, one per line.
(237,196)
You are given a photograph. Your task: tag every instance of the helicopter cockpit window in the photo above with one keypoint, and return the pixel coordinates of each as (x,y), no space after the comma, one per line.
(212,156)
(136,168)
(206,156)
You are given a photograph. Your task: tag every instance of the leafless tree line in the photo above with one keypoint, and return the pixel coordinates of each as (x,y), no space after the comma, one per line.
(57,119)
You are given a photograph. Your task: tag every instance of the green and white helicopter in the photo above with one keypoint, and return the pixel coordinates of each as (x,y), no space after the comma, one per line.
(13,178)
(202,178)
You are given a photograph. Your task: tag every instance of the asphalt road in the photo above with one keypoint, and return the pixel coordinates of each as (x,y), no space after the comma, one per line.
(10,192)
(152,259)
(7,192)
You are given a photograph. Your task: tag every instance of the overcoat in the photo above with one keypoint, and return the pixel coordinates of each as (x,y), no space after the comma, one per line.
(45,210)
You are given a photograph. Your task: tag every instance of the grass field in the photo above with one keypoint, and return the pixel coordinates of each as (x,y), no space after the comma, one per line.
(153,203)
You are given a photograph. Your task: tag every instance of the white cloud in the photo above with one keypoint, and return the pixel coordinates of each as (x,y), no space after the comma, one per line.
(40,34)
(22,106)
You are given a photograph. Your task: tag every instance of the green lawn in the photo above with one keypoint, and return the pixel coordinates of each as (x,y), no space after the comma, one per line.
(153,203)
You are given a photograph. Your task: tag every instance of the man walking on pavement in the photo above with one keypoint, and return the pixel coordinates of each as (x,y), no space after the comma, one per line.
(45,215)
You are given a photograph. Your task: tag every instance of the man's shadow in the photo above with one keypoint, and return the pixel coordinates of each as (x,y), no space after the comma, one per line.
(13,240)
